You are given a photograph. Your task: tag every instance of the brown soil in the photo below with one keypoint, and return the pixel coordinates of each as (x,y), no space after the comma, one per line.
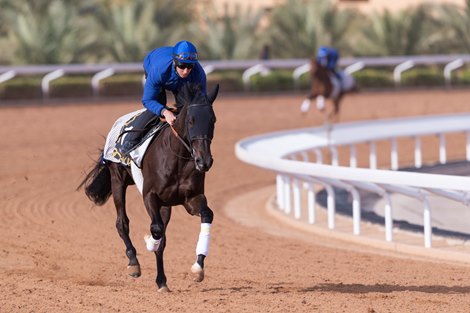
(59,253)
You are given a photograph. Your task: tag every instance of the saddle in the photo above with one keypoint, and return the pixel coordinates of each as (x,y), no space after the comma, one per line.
(117,137)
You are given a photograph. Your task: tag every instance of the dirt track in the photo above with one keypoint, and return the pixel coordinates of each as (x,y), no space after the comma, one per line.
(58,253)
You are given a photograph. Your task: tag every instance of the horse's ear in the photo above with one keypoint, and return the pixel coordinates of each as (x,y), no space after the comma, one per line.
(213,94)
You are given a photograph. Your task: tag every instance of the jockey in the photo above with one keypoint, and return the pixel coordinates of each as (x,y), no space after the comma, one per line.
(166,68)
(328,57)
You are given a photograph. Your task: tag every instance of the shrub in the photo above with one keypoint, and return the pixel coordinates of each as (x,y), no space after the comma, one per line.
(429,76)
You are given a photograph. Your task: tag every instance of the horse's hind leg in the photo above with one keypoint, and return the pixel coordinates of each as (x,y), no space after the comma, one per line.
(119,187)
(165,214)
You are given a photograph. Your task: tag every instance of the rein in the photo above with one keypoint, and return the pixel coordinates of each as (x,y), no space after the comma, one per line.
(182,141)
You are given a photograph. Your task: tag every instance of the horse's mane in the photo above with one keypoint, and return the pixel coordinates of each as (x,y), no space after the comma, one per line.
(188,94)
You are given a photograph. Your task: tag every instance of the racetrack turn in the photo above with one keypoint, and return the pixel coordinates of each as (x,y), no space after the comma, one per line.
(59,253)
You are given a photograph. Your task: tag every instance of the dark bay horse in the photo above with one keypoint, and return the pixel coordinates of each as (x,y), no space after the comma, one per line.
(325,85)
(173,171)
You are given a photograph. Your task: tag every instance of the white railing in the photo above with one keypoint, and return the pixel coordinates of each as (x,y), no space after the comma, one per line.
(250,67)
(288,153)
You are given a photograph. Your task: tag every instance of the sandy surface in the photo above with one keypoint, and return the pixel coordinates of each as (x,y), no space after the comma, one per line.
(58,253)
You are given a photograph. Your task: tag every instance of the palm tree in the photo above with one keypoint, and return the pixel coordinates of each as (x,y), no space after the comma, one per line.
(234,34)
(6,54)
(298,27)
(454,22)
(407,32)
(127,30)
(44,32)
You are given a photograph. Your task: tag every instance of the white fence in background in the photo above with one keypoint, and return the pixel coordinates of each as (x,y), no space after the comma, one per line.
(288,154)
(250,68)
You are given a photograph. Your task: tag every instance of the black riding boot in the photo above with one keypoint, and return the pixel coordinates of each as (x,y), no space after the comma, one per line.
(139,126)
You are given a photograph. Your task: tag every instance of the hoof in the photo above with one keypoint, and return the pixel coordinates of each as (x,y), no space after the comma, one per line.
(134,270)
(164,289)
(198,272)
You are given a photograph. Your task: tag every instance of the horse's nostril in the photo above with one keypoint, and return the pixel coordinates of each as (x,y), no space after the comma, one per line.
(202,164)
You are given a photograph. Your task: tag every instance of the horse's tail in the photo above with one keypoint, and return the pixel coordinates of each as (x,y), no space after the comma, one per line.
(97,182)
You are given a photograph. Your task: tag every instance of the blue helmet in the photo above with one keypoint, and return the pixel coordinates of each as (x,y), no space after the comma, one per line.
(323,52)
(185,52)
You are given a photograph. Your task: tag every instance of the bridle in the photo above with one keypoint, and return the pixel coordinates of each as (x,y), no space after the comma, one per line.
(191,137)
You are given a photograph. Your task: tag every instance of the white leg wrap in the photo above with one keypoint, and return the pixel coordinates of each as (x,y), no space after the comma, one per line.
(305,105)
(204,239)
(151,243)
(320,102)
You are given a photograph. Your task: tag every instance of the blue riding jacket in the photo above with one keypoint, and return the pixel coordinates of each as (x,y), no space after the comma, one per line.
(161,75)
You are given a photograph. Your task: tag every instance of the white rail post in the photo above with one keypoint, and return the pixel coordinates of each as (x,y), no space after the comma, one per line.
(418,155)
(297,194)
(400,68)
(372,156)
(448,68)
(298,72)
(427,223)
(7,76)
(287,195)
(331,206)
(394,154)
(468,146)
(46,80)
(388,214)
(354,67)
(442,148)
(255,69)
(280,191)
(334,156)
(311,202)
(208,69)
(356,211)
(319,157)
(98,77)
(352,156)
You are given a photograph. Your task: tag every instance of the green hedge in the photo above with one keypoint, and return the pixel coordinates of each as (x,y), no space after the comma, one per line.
(373,78)
(21,88)
(71,86)
(130,85)
(423,77)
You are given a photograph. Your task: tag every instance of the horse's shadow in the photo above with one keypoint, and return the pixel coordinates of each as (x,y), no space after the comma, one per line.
(351,289)
(386,288)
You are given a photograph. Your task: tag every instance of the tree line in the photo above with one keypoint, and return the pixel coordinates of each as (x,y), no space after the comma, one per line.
(104,31)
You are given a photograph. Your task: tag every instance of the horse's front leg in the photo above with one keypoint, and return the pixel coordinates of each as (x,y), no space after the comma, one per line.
(156,241)
(198,206)
(305,106)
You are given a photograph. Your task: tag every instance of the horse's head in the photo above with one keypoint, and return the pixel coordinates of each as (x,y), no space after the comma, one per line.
(196,123)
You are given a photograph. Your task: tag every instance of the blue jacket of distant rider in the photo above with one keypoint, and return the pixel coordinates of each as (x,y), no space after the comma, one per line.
(328,57)
(162,75)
